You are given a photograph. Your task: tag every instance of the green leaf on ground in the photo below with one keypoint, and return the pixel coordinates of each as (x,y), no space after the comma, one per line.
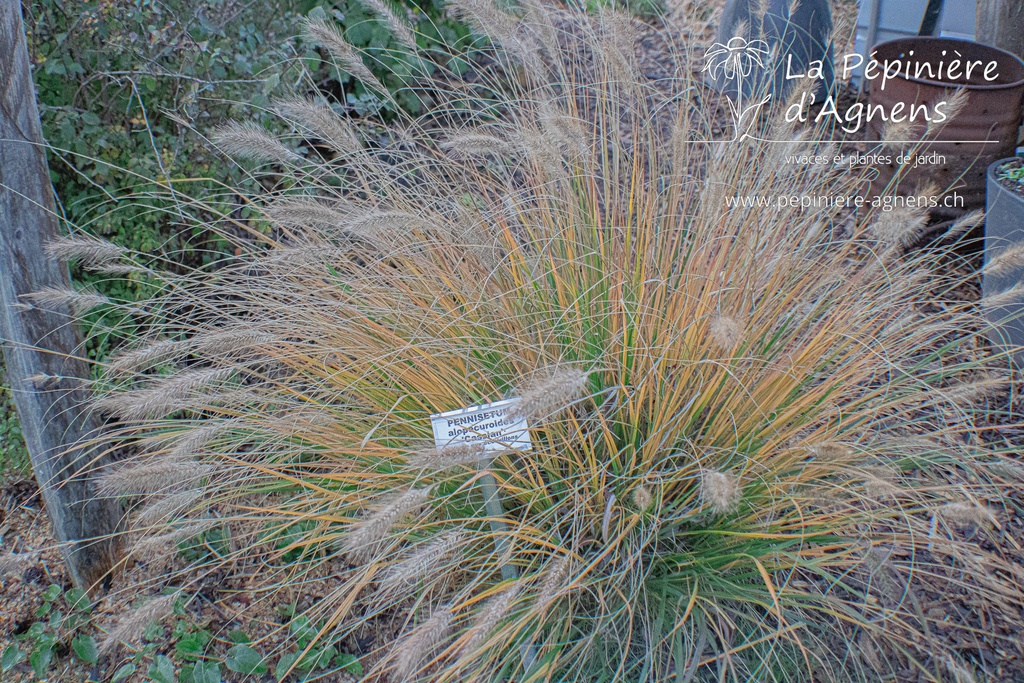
(201,672)
(162,670)
(123,673)
(85,648)
(192,645)
(245,660)
(78,599)
(10,658)
(40,661)
(349,663)
(285,664)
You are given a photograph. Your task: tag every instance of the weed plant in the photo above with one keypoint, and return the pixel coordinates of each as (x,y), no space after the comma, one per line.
(752,444)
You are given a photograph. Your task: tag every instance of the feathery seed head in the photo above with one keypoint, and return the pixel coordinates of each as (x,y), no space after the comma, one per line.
(163,396)
(899,135)
(56,299)
(642,497)
(720,491)
(402,578)
(552,392)
(143,356)
(91,252)
(900,226)
(617,43)
(969,393)
(384,225)
(554,580)
(326,34)
(129,628)
(725,332)
(190,443)
(966,223)
(477,144)
(968,514)
(44,382)
(399,28)
(322,121)
(362,542)
(880,482)
(1009,260)
(448,456)
(955,101)
(830,450)
(250,141)
(158,511)
(165,543)
(221,341)
(487,19)
(1007,296)
(301,213)
(492,612)
(159,474)
(412,651)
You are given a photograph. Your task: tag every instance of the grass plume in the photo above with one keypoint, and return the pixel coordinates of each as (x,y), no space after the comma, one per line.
(729,410)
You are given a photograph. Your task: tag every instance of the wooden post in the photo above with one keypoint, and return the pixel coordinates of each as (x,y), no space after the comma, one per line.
(37,343)
(1000,23)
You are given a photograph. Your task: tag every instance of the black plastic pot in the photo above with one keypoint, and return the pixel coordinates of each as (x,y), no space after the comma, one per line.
(1004,227)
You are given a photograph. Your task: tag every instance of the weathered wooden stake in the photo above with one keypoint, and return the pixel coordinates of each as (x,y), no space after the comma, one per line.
(1000,23)
(38,343)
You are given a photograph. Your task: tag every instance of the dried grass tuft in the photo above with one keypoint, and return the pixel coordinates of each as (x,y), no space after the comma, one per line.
(422,643)
(129,628)
(554,391)
(322,121)
(326,34)
(88,251)
(720,492)
(249,141)
(362,542)
(489,616)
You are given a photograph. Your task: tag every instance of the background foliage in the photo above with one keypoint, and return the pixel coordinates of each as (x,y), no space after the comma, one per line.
(121,82)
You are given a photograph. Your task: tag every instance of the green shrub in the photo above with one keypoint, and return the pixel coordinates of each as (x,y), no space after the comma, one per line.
(120,84)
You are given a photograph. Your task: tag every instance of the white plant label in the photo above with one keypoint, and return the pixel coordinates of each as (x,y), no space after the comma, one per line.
(491,425)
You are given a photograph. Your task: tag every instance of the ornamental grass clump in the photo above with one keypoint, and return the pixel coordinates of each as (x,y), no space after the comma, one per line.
(733,412)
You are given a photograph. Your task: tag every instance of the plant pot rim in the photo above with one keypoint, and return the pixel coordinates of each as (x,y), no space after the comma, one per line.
(990,175)
(954,41)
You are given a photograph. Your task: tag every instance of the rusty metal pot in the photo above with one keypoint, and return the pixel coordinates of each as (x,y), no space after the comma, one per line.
(985,129)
